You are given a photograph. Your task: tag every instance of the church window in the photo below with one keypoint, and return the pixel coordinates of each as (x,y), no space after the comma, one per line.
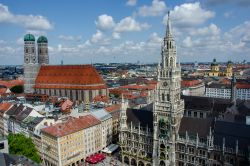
(26,50)
(195,114)
(33,50)
(171,61)
(168,97)
(163,97)
(201,115)
(40,51)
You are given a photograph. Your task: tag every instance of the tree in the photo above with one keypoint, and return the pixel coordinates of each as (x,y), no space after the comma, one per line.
(21,145)
(17,89)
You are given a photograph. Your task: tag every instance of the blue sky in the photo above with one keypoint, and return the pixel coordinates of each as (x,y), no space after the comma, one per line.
(107,31)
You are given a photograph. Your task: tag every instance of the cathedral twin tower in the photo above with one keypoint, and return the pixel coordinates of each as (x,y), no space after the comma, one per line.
(32,62)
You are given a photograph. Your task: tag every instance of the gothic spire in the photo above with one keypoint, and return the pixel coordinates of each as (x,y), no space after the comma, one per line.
(168,30)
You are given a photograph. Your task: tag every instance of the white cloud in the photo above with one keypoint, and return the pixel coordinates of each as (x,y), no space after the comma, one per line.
(98,36)
(212,29)
(28,21)
(116,35)
(105,22)
(189,15)
(103,50)
(36,32)
(2,42)
(87,43)
(20,41)
(187,42)
(130,24)
(228,14)
(154,40)
(157,8)
(70,38)
(131,2)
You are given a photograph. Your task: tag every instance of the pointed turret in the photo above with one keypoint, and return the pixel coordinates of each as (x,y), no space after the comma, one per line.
(168,30)
(233,90)
(123,115)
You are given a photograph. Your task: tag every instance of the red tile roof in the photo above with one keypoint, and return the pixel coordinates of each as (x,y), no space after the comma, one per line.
(4,107)
(138,87)
(242,86)
(101,98)
(190,83)
(11,83)
(112,108)
(3,90)
(72,125)
(69,77)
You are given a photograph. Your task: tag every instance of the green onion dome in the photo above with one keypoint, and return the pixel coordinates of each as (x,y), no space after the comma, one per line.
(29,37)
(42,39)
(214,63)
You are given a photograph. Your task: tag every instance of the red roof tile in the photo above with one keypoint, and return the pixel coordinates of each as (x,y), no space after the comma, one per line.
(72,125)
(69,77)
(5,106)
(189,83)
(138,87)
(243,86)
(101,98)
(112,108)
(2,90)
(11,83)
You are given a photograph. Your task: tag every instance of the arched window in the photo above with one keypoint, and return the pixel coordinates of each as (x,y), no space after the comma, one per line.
(163,97)
(168,97)
(171,61)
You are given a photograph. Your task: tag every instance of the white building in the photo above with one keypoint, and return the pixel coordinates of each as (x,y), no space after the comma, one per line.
(225,91)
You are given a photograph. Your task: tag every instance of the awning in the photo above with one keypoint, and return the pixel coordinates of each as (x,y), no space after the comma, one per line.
(110,149)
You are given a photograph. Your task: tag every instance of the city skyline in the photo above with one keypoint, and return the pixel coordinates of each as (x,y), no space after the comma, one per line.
(126,31)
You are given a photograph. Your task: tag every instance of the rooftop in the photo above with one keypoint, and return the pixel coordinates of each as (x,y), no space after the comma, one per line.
(142,117)
(100,114)
(72,125)
(195,126)
(69,77)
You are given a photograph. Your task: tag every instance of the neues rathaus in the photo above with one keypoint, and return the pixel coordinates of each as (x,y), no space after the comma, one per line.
(199,131)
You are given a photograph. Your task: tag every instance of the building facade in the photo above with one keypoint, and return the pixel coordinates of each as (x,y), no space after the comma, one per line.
(242,91)
(70,142)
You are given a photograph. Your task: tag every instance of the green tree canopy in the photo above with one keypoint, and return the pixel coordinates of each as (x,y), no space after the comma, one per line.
(17,89)
(21,145)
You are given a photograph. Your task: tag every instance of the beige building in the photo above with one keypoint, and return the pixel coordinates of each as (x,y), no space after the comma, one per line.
(3,108)
(70,142)
(216,72)
(114,110)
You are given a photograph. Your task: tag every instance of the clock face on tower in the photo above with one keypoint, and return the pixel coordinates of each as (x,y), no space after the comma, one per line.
(165,84)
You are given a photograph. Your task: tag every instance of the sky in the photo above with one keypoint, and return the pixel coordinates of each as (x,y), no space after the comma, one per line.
(107,31)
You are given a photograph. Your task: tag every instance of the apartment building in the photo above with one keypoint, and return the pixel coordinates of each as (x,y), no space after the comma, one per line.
(70,142)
